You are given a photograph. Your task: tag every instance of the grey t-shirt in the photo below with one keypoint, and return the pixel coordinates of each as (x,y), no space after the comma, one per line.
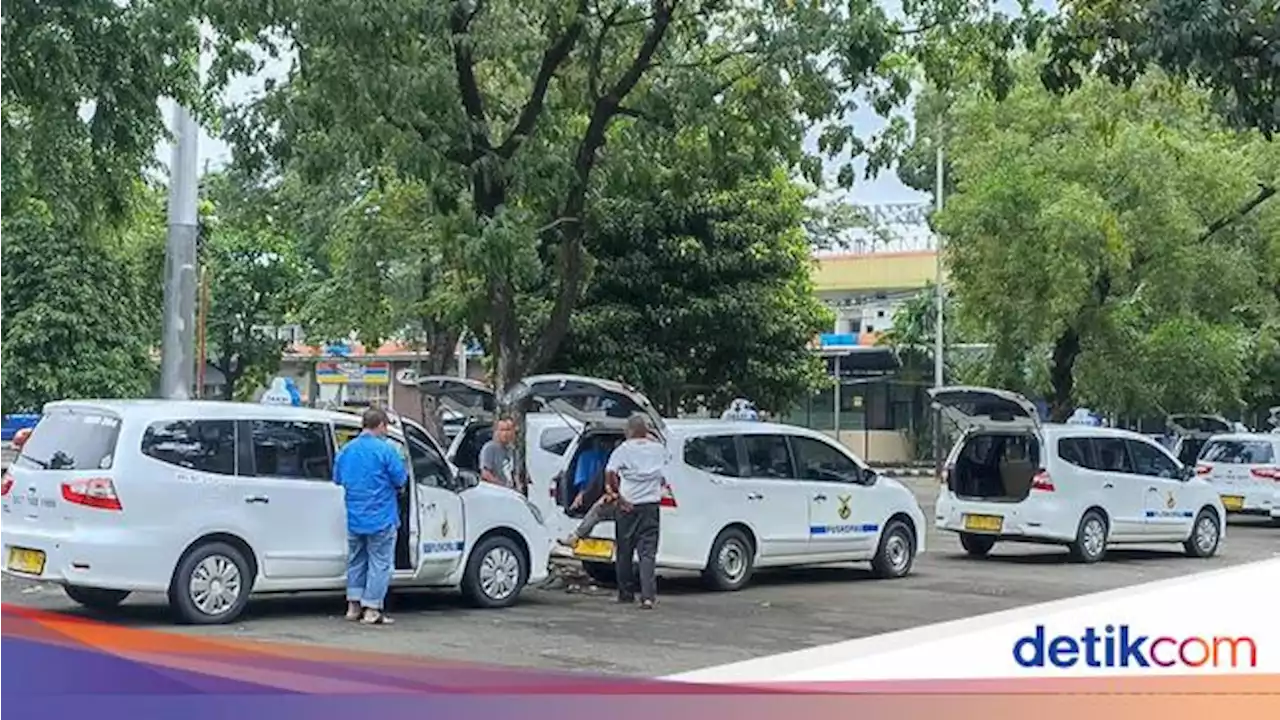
(496,458)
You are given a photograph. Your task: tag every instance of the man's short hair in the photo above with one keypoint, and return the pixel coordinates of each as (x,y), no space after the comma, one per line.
(637,425)
(373,418)
(505,419)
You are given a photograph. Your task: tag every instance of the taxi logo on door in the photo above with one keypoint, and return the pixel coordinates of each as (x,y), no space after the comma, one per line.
(444,528)
(844,511)
(1170,501)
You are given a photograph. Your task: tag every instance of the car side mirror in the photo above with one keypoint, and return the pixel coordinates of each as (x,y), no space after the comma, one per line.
(869,476)
(1187,472)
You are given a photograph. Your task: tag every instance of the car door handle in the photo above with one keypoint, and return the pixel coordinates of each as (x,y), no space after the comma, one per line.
(820,498)
(755,496)
(1153,489)
(431,506)
(257,499)
(1109,486)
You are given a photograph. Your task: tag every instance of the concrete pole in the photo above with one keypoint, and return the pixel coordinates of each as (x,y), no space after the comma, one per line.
(177,362)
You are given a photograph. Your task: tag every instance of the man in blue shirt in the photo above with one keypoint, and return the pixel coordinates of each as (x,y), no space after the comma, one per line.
(371,474)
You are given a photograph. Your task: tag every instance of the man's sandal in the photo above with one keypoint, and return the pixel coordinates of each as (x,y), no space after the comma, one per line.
(376,618)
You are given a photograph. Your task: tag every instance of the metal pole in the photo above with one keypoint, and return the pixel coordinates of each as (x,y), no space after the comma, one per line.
(462,357)
(939,345)
(836,396)
(176,361)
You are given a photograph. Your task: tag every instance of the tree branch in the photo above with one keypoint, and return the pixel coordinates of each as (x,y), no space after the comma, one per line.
(597,50)
(464,65)
(1265,192)
(570,256)
(552,59)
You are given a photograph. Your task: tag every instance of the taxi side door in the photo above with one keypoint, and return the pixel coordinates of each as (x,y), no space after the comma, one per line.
(845,517)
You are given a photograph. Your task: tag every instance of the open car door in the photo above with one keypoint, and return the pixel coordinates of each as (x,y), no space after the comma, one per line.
(469,398)
(594,402)
(986,408)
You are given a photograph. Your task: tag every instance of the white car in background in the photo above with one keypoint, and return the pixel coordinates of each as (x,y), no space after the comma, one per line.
(1245,470)
(1011,478)
(739,495)
(211,502)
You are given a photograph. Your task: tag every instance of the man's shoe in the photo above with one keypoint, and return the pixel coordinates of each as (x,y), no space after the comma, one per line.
(626,599)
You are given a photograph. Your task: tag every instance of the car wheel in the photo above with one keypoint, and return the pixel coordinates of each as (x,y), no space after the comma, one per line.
(897,551)
(600,573)
(211,585)
(1090,544)
(977,545)
(496,573)
(732,561)
(95,598)
(1206,533)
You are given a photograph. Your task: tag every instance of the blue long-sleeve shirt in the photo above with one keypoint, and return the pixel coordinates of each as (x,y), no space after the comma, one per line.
(370,472)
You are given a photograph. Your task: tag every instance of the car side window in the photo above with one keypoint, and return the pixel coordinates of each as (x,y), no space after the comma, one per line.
(1110,455)
(203,445)
(291,449)
(717,455)
(1150,461)
(768,457)
(1075,450)
(429,467)
(816,460)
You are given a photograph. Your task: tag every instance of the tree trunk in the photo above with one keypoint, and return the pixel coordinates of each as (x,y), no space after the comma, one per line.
(1062,375)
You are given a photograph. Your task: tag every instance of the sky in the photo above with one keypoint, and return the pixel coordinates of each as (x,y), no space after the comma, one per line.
(883,189)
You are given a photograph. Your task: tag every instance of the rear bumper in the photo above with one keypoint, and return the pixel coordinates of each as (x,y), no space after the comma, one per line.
(1256,502)
(1042,519)
(101,558)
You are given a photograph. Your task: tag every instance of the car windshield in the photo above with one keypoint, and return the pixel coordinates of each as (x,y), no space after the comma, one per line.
(1238,452)
(80,440)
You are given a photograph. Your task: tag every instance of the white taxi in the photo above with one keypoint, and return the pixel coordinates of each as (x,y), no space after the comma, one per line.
(1245,470)
(1011,478)
(739,495)
(211,502)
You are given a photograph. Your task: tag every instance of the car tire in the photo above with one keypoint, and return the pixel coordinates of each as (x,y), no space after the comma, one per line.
(731,562)
(496,573)
(1206,534)
(977,545)
(601,573)
(1090,544)
(95,598)
(224,571)
(896,553)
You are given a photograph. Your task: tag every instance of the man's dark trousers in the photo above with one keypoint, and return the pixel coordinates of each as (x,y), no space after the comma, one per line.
(638,534)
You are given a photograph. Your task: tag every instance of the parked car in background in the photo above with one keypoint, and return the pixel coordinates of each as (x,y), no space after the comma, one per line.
(1011,477)
(1245,470)
(1191,432)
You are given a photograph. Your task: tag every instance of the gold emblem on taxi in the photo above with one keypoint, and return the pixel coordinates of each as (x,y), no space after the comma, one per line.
(844,511)
(444,528)
(1170,501)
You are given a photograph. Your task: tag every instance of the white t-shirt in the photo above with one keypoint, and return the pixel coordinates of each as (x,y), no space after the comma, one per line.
(639,465)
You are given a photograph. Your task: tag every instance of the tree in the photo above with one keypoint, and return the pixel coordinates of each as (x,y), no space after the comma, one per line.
(1110,244)
(1230,46)
(255,278)
(701,297)
(506,113)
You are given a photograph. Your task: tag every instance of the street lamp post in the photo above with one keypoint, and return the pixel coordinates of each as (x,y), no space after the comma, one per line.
(178,340)
(939,344)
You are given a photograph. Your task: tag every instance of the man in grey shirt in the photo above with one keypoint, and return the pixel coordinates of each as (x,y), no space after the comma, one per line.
(635,473)
(497,463)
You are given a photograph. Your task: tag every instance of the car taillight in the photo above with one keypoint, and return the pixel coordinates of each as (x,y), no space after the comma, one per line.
(1042,481)
(1264,473)
(1204,469)
(6,485)
(668,497)
(95,493)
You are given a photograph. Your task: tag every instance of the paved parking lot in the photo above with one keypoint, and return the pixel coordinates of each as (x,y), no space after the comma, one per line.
(579,628)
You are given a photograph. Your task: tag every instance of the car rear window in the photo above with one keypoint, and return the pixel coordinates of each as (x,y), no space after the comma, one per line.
(1238,452)
(72,440)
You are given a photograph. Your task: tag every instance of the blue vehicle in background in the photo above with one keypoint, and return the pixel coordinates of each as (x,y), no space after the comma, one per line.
(13,423)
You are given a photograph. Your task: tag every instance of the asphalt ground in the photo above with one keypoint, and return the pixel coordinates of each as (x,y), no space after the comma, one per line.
(572,625)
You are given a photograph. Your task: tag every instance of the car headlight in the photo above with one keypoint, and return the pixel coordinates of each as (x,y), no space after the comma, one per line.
(537,514)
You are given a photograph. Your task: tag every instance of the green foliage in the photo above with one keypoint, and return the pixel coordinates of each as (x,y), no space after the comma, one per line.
(700,298)
(254,277)
(1230,46)
(1114,245)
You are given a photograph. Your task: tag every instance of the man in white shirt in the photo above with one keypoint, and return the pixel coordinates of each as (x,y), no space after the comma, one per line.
(635,473)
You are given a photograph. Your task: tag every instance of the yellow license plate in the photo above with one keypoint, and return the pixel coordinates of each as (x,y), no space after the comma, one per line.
(594,549)
(26,561)
(983,523)
(1232,502)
